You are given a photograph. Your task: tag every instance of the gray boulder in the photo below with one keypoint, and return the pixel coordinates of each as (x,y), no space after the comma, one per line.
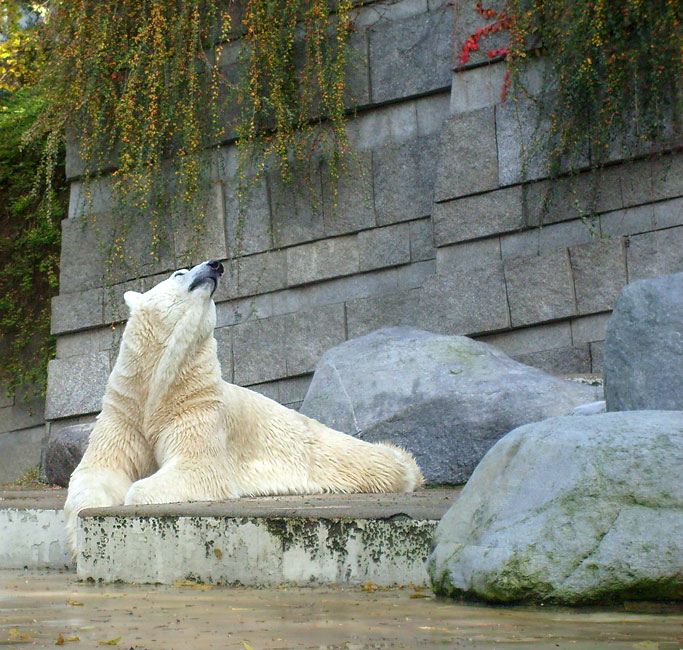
(644,346)
(64,451)
(446,399)
(570,510)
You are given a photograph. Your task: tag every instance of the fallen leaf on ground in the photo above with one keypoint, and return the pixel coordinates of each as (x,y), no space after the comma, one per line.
(69,639)
(75,603)
(192,584)
(110,642)
(218,553)
(416,595)
(247,646)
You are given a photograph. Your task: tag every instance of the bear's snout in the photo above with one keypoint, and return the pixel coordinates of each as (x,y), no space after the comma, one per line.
(216,266)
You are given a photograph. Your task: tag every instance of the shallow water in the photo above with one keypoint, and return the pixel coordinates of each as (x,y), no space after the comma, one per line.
(37,607)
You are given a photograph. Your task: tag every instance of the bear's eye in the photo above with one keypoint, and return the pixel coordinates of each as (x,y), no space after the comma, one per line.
(179,273)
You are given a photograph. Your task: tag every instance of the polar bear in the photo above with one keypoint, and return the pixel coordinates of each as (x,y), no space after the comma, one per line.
(172,430)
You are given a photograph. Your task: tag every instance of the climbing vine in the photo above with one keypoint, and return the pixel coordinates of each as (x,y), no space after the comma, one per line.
(614,74)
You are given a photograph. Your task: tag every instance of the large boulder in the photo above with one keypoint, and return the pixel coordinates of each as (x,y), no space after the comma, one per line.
(570,510)
(446,399)
(644,346)
(64,451)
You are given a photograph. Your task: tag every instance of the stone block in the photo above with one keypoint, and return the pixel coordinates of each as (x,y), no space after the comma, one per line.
(327,258)
(348,203)
(466,21)
(308,334)
(357,70)
(559,361)
(373,14)
(337,290)
(668,213)
(597,349)
(636,180)
(269,389)
(521,135)
(71,345)
(667,176)
(539,287)
(24,413)
(381,247)
(465,302)
(461,257)
(411,276)
(467,155)
(628,221)
(553,236)
(114,308)
(531,339)
(243,310)
(403,176)
(587,329)
(84,253)
(431,113)
(77,311)
(296,206)
(655,253)
(201,240)
(392,123)
(259,350)
(410,56)
(261,273)
(422,240)
(20,452)
(291,300)
(293,389)
(477,216)
(75,385)
(223,337)
(90,198)
(599,270)
(365,315)
(476,88)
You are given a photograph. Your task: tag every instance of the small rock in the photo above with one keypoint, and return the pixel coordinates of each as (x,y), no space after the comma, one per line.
(590,409)
(644,346)
(570,510)
(446,399)
(64,451)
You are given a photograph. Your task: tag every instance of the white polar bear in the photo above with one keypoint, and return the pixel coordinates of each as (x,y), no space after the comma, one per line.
(172,430)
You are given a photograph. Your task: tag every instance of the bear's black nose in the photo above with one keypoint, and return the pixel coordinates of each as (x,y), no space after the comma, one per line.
(216,266)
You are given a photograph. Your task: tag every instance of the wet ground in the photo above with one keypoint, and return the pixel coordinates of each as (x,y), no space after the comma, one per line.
(44,609)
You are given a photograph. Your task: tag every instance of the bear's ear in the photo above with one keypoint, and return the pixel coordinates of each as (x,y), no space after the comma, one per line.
(132,299)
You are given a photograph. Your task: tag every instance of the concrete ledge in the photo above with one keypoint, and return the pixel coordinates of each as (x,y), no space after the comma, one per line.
(267,541)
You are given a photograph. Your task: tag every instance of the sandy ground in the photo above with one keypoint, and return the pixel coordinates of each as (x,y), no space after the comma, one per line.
(44,609)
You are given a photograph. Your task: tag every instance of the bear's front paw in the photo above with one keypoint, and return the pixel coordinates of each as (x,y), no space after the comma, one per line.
(140,494)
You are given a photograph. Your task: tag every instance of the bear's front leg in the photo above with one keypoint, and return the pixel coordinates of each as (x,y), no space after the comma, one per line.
(180,481)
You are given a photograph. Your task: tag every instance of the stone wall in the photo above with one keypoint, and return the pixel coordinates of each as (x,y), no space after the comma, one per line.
(435,226)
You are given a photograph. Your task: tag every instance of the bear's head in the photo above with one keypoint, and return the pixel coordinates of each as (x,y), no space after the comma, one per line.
(178,308)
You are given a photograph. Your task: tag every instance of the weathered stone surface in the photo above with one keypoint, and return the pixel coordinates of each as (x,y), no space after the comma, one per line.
(76,385)
(296,207)
(599,270)
(445,399)
(570,510)
(64,450)
(223,337)
(20,452)
(468,255)
(590,328)
(477,88)
(531,339)
(83,253)
(669,213)
(628,221)
(77,311)
(539,287)
(327,258)
(644,347)
(382,247)
(468,142)
(559,361)
(522,155)
(597,349)
(467,21)
(25,412)
(410,56)
(468,301)
(309,333)
(259,350)
(404,176)
(655,253)
(261,273)
(557,235)
(368,314)
(351,208)
(592,408)
(478,216)
(392,123)
(422,240)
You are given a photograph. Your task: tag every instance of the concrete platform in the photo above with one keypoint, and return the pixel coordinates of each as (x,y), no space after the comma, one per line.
(32,529)
(300,540)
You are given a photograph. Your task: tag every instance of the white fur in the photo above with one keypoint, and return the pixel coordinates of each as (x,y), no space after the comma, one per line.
(172,430)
